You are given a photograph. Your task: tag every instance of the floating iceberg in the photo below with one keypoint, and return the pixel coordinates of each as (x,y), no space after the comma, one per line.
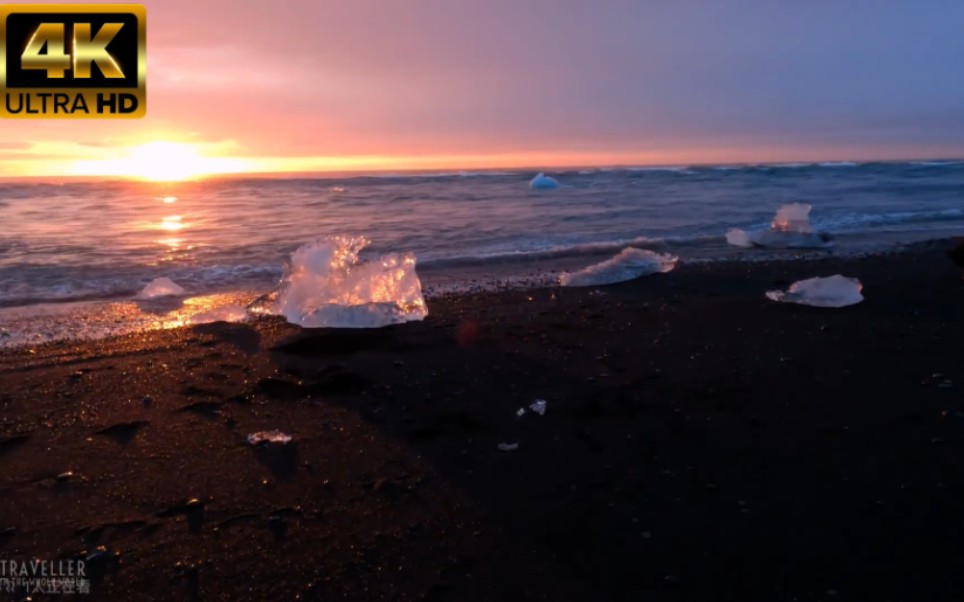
(542,181)
(790,228)
(833,291)
(225,313)
(327,286)
(630,263)
(160,287)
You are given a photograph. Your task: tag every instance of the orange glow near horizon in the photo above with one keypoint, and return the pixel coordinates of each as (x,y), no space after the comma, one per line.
(161,161)
(333,88)
(164,160)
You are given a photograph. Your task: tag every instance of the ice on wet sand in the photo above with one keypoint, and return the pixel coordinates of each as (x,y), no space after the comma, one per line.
(160,287)
(630,263)
(264,437)
(790,228)
(833,291)
(327,285)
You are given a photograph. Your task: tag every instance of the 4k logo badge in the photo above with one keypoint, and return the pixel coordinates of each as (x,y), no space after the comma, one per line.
(73,61)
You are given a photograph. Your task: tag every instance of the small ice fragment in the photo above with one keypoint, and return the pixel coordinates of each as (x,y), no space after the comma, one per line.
(544,182)
(508,447)
(520,412)
(630,263)
(326,285)
(225,313)
(268,437)
(160,287)
(833,291)
(98,556)
(539,407)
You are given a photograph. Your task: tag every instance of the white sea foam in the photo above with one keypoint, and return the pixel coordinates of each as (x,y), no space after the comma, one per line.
(948,163)
(555,252)
(630,263)
(792,165)
(160,287)
(671,168)
(328,286)
(543,182)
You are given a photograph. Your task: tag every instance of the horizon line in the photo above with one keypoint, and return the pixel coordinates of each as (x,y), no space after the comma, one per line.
(363,171)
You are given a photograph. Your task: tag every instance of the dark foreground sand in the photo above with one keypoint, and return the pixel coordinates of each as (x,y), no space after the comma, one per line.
(701,443)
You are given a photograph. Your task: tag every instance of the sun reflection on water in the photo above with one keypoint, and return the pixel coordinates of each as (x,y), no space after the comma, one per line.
(172,223)
(35,325)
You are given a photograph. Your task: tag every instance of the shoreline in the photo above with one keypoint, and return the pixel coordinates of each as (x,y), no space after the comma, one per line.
(45,322)
(700,442)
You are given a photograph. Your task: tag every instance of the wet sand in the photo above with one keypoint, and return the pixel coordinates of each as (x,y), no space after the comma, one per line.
(700,443)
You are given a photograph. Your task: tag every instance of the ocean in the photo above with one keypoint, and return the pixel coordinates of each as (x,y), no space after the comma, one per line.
(99,242)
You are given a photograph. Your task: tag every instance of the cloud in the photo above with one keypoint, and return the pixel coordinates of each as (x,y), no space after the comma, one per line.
(565,78)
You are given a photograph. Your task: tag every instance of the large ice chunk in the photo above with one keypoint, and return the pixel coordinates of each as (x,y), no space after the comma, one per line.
(326,285)
(630,263)
(790,229)
(833,291)
(794,217)
(160,287)
(544,182)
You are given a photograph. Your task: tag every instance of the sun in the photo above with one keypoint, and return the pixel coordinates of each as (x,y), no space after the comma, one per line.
(161,162)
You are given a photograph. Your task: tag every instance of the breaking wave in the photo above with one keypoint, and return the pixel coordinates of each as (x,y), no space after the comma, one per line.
(859,221)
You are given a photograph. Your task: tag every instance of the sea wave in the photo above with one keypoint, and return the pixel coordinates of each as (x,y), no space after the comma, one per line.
(31,284)
(435,175)
(895,218)
(670,168)
(557,252)
(835,165)
(936,163)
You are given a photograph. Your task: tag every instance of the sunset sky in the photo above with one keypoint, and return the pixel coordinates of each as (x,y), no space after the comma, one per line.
(383,84)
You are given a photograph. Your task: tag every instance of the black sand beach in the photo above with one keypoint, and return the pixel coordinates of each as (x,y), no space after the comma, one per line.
(700,443)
